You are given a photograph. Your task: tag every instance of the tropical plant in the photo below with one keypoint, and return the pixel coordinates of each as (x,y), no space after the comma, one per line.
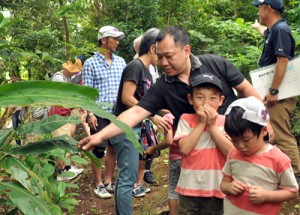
(27,182)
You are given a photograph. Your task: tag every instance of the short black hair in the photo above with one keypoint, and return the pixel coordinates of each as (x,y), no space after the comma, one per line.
(179,35)
(148,39)
(236,126)
(207,86)
(100,40)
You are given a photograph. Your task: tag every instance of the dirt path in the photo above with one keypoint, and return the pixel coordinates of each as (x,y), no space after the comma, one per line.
(153,203)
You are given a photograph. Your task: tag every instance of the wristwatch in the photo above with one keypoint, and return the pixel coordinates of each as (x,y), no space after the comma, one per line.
(88,116)
(273,91)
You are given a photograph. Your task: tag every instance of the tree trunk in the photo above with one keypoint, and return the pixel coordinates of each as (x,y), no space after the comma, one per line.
(98,10)
(66,32)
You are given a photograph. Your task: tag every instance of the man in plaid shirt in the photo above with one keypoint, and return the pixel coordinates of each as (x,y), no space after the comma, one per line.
(103,71)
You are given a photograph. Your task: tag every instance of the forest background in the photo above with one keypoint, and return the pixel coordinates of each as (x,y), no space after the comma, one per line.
(37,36)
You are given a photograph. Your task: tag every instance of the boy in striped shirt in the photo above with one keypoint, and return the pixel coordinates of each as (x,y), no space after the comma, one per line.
(257,175)
(204,147)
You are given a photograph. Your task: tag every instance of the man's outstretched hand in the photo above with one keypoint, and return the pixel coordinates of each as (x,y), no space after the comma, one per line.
(89,142)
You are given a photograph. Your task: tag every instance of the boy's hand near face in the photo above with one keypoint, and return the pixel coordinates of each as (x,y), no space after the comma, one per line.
(202,115)
(211,114)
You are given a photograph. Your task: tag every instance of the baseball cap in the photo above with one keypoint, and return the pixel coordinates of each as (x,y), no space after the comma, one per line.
(73,67)
(205,78)
(275,4)
(110,31)
(254,110)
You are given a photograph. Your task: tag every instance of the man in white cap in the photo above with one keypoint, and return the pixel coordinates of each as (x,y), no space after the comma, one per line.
(103,71)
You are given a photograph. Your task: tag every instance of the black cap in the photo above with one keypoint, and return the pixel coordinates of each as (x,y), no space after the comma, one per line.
(275,4)
(206,78)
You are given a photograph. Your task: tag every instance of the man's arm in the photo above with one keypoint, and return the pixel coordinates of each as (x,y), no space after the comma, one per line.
(279,73)
(128,91)
(261,29)
(131,117)
(246,89)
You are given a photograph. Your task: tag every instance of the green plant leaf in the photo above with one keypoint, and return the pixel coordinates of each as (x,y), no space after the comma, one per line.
(240,21)
(4,133)
(46,93)
(93,158)
(78,159)
(20,172)
(4,22)
(64,142)
(24,200)
(47,125)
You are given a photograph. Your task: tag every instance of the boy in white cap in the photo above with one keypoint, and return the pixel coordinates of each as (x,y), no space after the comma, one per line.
(257,175)
(103,71)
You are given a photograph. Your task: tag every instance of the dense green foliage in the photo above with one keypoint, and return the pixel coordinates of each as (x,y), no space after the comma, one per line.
(27,179)
(41,34)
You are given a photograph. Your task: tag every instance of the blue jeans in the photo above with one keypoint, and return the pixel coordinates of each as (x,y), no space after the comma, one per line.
(127,161)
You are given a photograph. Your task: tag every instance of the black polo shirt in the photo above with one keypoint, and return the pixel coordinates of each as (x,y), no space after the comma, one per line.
(278,42)
(171,93)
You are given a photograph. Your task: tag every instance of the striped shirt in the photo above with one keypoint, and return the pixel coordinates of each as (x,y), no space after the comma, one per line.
(271,170)
(106,79)
(201,170)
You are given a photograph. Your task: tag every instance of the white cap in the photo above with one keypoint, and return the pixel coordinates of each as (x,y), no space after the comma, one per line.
(255,111)
(110,31)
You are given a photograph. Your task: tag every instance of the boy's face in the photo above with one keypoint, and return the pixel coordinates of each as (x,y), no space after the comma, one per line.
(202,96)
(249,144)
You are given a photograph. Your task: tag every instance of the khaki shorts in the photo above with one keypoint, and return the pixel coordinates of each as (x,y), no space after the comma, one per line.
(68,129)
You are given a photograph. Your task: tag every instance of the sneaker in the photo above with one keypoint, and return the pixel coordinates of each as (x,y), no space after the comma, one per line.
(75,170)
(68,173)
(137,192)
(149,177)
(144,189)
(65,175)
(101,192)
(110,187)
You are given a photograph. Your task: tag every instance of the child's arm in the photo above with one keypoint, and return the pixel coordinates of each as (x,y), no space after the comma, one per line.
(258,195)
(167,142)
(188,143)
(234,187)
(221,141)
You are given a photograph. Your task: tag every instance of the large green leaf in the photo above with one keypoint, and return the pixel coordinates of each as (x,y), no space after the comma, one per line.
(47,125)
(46,93)
(24,200)
(64,142)
(25,176)
(4,133)
(93,158)
(4,22)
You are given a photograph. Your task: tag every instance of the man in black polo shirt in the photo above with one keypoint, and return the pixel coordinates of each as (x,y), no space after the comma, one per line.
(278,49)
(171,89)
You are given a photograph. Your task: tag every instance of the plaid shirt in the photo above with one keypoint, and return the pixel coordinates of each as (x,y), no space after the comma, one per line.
(99,75)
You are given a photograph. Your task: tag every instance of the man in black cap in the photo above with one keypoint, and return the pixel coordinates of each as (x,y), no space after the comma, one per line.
(278,49)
